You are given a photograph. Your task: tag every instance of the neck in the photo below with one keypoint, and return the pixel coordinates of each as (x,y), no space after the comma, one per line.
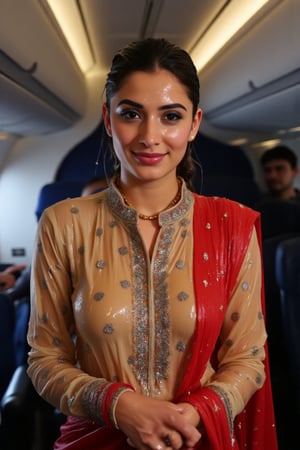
(149,210)
(286,194)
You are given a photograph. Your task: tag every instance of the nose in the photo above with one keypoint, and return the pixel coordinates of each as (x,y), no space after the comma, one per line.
(272,173)
(150,132)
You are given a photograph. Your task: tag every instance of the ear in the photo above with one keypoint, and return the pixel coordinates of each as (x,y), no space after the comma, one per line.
(195,124)
(106,119)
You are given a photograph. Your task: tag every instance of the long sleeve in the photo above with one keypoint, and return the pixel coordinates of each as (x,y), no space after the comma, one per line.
(52,360)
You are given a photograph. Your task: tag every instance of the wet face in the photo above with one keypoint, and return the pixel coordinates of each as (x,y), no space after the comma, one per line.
(151,121)
(279,175)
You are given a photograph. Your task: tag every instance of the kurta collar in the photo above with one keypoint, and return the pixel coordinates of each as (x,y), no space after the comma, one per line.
(130,215)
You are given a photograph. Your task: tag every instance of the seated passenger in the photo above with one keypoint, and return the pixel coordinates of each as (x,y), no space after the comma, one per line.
(14,310)
(21,287)
(8,276)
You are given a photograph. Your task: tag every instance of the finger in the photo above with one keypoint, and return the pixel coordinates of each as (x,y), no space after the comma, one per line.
(173,440)
(15,268)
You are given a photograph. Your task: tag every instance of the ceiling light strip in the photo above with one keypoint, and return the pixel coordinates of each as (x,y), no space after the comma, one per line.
(233,18)
(69,19)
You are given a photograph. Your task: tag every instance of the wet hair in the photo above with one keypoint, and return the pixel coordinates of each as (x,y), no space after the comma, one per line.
(147,56)
(280,152)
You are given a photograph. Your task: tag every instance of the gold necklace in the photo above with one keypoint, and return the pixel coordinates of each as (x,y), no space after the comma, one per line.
(154,216)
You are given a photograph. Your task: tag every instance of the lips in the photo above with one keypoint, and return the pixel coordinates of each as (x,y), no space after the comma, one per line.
(149,159)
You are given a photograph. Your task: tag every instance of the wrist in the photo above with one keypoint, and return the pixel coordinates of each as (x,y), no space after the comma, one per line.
(114,403)
(110,399)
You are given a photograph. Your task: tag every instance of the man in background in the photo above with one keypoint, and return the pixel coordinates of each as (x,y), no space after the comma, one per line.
(280,168)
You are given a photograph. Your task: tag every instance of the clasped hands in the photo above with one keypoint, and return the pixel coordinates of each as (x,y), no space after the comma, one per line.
(151,424)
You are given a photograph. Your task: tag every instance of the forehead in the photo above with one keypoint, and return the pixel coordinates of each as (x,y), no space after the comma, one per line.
(277,164)
(147,86)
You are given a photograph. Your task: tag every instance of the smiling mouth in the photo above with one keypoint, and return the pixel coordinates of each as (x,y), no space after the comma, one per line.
(149,158)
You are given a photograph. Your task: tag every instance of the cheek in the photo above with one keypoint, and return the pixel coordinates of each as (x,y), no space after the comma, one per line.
(122,136)
(177,138)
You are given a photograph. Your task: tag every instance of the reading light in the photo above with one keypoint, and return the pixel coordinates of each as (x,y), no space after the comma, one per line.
(238,142)
(232,19)
(69,20)
(267,144)
(294,130)
(4,135)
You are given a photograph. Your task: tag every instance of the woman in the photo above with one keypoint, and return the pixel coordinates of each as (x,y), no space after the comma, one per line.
(146,326)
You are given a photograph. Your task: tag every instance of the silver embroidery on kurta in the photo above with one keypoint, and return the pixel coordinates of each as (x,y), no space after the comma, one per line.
(98,296)
(99,232)
(100,264)
(182,296)
(151,349)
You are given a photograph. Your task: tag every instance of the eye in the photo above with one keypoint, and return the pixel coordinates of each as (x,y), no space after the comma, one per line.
(129,114)
(172,116)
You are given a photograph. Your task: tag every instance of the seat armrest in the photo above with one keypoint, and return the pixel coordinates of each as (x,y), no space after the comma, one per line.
(19,393)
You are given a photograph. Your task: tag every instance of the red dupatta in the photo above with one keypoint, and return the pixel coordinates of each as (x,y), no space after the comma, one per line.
(216,223)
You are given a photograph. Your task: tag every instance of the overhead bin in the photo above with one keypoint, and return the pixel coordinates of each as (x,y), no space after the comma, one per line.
(35,63)
(241,87)
(22,112)
(272,107)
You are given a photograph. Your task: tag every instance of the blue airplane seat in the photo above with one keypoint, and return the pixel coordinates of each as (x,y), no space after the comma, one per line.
(7,355)
(288,279)
(279,217)
(224,170)
(241,189)
(54,192)
(278,356)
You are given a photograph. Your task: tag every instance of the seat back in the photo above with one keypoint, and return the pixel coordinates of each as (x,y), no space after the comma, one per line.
(272,290)
(224,170)
(241,189)
(7,359)
(54,192)
(288,279)
(279,361)
(279,217)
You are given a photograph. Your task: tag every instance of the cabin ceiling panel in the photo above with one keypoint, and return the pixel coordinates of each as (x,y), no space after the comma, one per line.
(182,22)
(37,47)
(111,25)
(266,51)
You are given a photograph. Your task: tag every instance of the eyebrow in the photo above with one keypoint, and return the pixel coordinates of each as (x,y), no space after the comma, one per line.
(161,108)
